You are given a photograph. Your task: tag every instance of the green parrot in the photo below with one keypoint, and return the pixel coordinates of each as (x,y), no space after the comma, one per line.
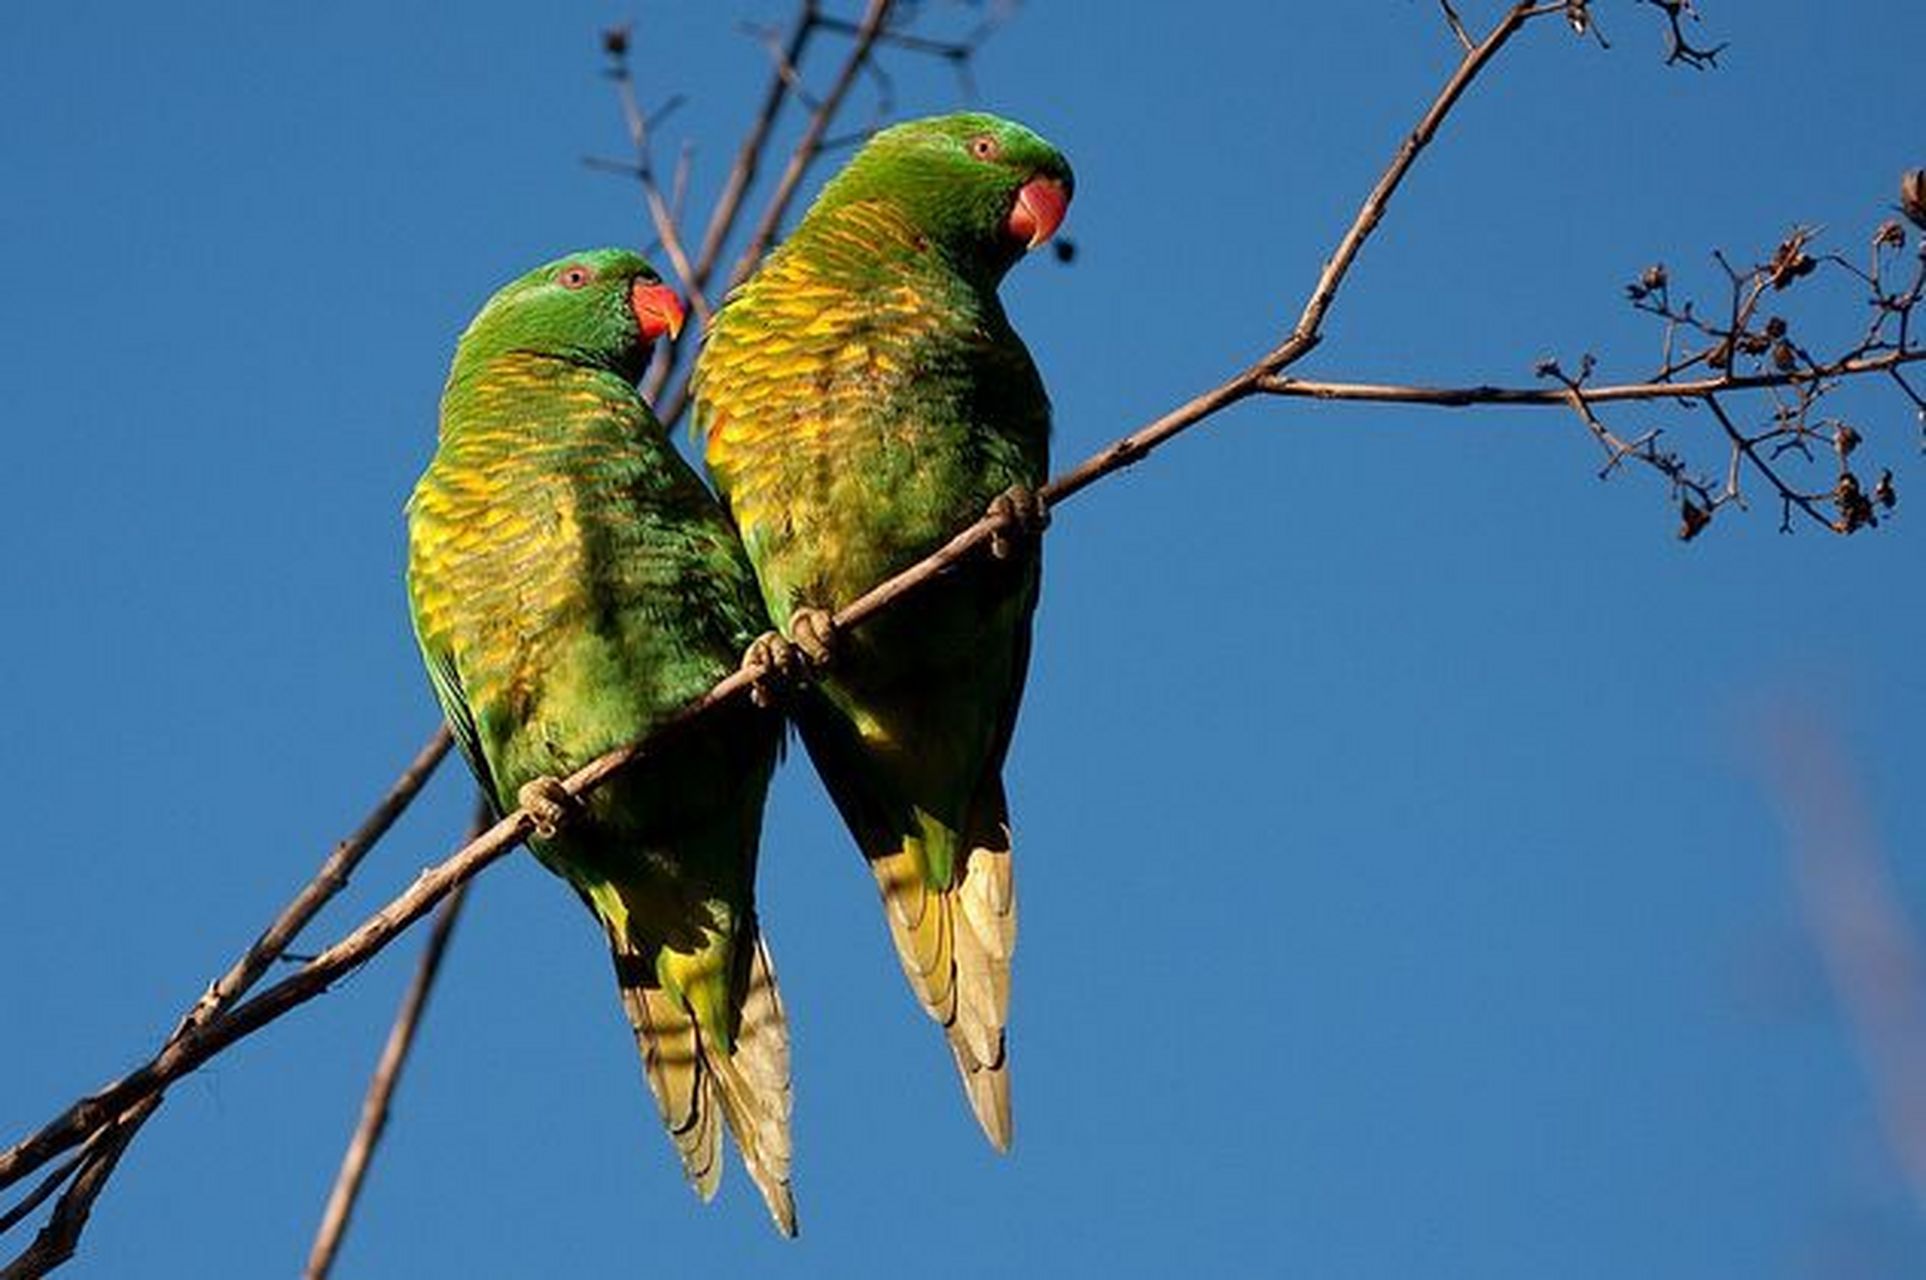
(861,399)
(572,583)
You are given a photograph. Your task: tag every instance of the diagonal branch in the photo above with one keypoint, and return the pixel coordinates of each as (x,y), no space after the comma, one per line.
(57,1241)
(785,81)
(381,1086)
(1308,331)
(749,156)
(1464,397)
(875,15)
(114,1128)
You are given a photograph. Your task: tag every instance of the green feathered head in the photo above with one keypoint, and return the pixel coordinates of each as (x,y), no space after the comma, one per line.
(983,189)
(602,307)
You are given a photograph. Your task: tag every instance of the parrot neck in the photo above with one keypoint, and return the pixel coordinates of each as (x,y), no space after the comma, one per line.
(874,244)
(525,397)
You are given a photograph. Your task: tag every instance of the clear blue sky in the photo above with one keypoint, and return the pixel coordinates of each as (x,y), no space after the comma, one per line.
(1399,892)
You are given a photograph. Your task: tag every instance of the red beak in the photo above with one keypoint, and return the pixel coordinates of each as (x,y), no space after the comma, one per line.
(657,309)
(1038,212)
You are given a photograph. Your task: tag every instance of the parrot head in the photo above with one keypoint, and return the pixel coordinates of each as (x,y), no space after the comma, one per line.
(601,307)
(984,190)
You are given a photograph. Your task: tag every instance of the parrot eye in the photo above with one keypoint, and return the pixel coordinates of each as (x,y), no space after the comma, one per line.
(984,147)
(574,276)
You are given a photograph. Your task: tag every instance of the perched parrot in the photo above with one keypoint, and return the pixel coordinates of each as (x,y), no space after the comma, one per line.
(572,582)
(861,399)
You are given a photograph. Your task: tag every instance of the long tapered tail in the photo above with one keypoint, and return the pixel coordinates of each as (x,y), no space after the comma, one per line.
(955,944)
(697,1080)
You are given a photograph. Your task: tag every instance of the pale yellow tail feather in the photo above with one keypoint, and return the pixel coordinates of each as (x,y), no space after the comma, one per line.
(955,946)
(753,1085)
(683,1086)
(695,1083)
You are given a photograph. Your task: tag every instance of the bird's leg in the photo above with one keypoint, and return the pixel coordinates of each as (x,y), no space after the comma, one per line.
(814,632)
(549,803)
(777,665)
(1025,516)
(782,662)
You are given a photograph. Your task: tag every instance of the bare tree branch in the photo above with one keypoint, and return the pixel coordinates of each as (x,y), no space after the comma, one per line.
(57,1241)
(875,15)
(1680,49)
(749,156)
(671,401)
(1744,352)
(1308,331)
(113,1132)
(1465,397)
(376,1105)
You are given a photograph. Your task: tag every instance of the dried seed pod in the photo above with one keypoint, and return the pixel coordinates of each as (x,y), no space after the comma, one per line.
(1790,261)
(1912,197)
(1784,358)
(1654,277)
(1884,493)
(1890,235)
(1855,508)
(1776,328)
(1692,519)
(1845,439)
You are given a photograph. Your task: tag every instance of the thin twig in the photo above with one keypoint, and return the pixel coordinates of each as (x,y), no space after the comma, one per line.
(1311,322)
(1741,443)
(661,212)
(1308,331)
(55,1243)
(331,879)
(44,1188)
(722,220)
(875,14)
(1469,396)
(785,81)
(94,1166)
(387,1074)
